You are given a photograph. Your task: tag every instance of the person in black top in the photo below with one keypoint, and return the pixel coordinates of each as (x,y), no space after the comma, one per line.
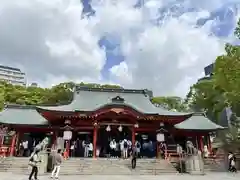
(134,155)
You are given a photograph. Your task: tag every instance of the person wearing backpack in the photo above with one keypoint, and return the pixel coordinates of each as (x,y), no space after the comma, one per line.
(138,148)
(33,162)
(134,155)
(125,149)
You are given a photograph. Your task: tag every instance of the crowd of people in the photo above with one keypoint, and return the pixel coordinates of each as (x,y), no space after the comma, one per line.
(114,149)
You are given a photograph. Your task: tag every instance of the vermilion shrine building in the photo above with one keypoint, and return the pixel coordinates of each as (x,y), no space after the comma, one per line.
(94,109)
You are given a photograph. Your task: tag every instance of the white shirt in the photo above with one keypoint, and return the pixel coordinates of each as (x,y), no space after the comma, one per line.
(113,145)
(129,144)
(25,144)
(90,147)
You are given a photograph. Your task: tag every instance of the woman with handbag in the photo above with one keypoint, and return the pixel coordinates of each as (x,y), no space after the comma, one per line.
(33,162)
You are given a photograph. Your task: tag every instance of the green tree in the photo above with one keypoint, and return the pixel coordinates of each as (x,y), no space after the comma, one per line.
(171,103)
(206,96)
(56,95)
(222,90)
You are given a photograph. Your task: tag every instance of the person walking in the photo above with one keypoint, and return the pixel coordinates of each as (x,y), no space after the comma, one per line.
(232,162)
(33,162)
(57,163)
(125,149)
(134,155)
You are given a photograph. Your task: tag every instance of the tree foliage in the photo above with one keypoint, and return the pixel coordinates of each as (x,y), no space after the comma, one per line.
(63,94)
(59,94)
(170,103)
(221,90)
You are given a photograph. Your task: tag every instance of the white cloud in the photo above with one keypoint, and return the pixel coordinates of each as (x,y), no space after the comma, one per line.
(168,59)
(50,41)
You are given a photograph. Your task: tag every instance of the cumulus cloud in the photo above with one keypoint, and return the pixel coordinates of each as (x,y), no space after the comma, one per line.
(48,40)
(163,49)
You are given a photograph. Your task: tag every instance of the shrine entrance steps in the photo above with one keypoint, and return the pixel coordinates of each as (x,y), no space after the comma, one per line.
(101,166)
(214,165)
(104,166)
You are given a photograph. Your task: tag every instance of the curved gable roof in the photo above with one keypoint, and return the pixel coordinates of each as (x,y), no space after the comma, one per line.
(91,99)
(198,122)
(25,115)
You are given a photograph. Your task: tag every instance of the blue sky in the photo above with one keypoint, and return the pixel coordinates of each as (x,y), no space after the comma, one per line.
(224,16)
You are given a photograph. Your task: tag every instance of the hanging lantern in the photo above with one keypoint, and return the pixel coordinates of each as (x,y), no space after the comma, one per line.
(160,137)
(120,128)
(108,128)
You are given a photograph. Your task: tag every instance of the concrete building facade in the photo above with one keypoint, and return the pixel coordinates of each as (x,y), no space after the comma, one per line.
(12,75)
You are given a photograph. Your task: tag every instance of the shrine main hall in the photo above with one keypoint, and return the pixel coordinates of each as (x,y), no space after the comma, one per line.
(100,114)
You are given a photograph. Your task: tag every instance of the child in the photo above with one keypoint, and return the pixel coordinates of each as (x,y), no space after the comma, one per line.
(65,154)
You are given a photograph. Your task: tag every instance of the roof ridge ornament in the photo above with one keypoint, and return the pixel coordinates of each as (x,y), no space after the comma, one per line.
(118,99)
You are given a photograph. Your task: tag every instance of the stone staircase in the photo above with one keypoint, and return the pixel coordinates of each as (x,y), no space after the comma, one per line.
(214,165)
(104,166)
(18,165)
(101,166)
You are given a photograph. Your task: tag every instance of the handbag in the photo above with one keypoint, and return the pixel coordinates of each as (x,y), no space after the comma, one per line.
(31,162)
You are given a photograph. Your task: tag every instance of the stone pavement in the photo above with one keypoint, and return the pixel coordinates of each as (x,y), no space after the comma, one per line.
(209,176)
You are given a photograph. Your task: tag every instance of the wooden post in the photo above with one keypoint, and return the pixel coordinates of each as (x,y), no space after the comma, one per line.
(54,140)
(95,133)
(12,148)
(200,140)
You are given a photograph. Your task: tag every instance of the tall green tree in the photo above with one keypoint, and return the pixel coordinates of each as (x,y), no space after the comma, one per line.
(222,90)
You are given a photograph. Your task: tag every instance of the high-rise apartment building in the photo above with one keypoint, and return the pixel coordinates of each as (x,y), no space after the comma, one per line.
(12,75)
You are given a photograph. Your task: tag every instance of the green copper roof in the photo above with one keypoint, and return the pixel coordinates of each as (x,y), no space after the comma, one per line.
(26,115)
(91,99)
(198,122)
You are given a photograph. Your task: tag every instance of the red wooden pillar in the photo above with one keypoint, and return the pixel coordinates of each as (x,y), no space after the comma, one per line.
(14,140)
(95,133)
(200,142)
(1,140)
(54,139)
(133,136)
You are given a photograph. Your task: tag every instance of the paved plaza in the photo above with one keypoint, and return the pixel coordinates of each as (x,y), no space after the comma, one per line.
(209,176)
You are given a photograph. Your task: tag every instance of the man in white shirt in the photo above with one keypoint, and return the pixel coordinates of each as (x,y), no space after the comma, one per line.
(25,148)
(113,147)
(90,149)
(125,148)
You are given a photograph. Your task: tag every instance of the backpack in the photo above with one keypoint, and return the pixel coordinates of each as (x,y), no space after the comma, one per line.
(138,145)
(125,144)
